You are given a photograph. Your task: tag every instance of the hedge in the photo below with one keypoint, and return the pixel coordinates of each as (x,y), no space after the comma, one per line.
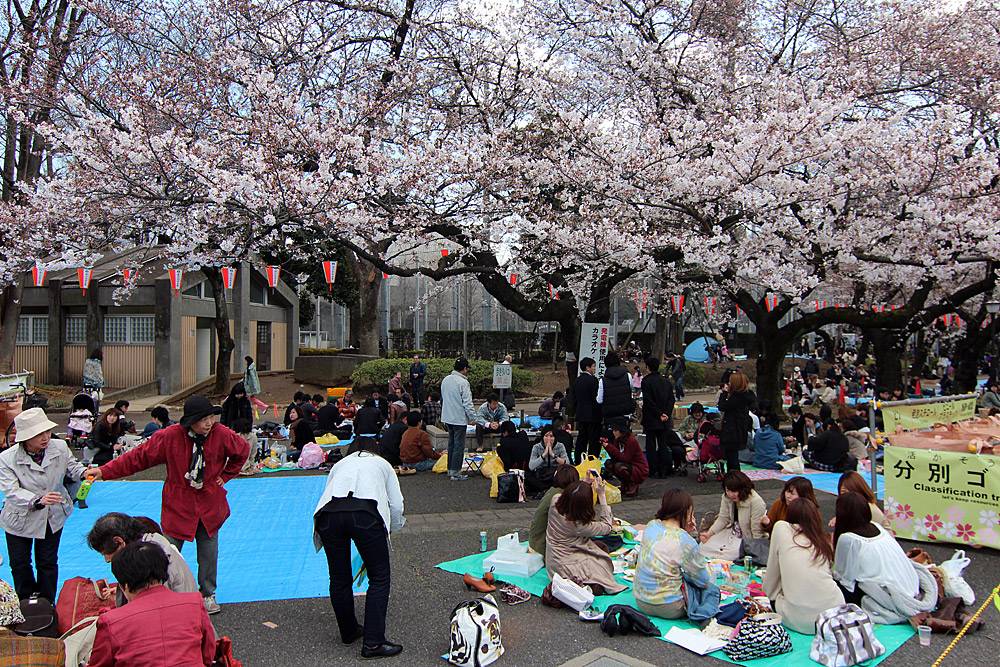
(376,374)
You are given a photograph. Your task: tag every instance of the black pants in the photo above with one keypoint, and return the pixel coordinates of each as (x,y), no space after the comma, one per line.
(732,451)
(418,396)
(662,452)
(588,439)
(46,561)
(336,530)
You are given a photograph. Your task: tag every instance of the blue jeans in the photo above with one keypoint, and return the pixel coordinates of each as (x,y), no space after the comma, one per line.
(456,448)
(422,466)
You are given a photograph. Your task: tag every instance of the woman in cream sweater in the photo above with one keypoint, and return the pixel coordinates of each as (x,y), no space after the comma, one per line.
(741,509)
(799,580)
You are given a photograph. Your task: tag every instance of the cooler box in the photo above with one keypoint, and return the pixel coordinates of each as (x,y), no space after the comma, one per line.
(512,558)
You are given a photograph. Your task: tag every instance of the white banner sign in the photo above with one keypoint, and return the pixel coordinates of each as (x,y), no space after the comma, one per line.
(595,339)
(502,376)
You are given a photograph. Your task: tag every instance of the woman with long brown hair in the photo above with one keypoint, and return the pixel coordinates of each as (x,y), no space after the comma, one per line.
(796,487)
(569,550)
(799,580)
(108,431)
(852,482)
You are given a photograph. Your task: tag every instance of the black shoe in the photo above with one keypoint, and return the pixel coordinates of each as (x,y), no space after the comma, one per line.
(350,639)
(383,650)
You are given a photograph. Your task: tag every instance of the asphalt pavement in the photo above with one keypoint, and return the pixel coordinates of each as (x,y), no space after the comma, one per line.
(444,522)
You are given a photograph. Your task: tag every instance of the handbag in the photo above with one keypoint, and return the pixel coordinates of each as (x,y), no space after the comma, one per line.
(224,654)
(79,641)
(724,546)
(82,598)
(571,594)
(510,487)
(475,633)
(622,619)
(759,636)
(845,636)
(39,619)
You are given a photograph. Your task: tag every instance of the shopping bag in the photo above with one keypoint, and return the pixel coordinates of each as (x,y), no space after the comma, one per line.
(589,462)
(571,594)
(612,494)
(793,466)
(491,464)
(494,487)
(441,465)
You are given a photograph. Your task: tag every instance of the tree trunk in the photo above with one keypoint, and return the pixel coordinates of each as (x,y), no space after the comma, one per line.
(771,348)
(660,336)
(95,318)
(364,312)
(920,351)
(10,312)
(223,336)
(970,351)
(888,357)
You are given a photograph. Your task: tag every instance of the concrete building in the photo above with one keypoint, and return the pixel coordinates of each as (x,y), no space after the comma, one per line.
(154,336)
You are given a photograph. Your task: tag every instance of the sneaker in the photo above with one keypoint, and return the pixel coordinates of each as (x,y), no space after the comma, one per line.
(211,606)
(458,477)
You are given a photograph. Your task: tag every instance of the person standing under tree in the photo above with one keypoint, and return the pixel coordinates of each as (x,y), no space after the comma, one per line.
(201,455)
(456,413)
(614,393)
(588,411)
(252,384)
(418,371)
(736,402)
(657,411)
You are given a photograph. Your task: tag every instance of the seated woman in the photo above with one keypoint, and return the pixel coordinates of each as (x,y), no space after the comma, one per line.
(690,427)
(157,626)
(106,436)
(569,550)
(669,559)
(796,487)
(627,461)
(852,482)
(514,448)
(741,509)
(829,450)
(300,432)
(546,456)
(868,560)
(114,531)
(564,476)
(798,579)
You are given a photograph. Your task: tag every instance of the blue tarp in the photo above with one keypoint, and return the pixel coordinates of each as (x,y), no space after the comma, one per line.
(266,549)
(695,351)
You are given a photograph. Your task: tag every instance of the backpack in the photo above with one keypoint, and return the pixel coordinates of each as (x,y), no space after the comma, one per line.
(39,618)
(510,487)
(475,633)
(311,457)
(845,636)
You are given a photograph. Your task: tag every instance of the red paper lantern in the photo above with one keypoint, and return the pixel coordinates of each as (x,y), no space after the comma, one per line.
(176,277)
(513,280)
(38,275)
(711,303)
(771,302)
(444,252)
(385,276)
(553,293)
(677,303)
(84,276)
(228,276)
(129,276)
(273,273)
(330,273)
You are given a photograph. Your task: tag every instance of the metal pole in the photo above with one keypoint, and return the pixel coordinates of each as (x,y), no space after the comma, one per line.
(416,318)
(871,434)
(319,316)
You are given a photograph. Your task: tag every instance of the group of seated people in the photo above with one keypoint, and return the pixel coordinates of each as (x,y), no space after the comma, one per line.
(812,566)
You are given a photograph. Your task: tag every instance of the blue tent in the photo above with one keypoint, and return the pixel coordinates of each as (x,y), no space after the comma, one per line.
(695,351)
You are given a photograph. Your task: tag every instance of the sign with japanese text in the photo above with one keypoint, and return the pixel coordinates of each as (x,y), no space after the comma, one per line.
(595,342)
(925,415)
(502,376)
(943,496)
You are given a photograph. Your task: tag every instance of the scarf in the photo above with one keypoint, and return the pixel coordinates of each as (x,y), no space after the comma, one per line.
(196,470)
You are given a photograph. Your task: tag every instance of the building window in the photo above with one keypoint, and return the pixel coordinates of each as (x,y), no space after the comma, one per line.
(258,294)
(33,330)
(76,330)
(129,329)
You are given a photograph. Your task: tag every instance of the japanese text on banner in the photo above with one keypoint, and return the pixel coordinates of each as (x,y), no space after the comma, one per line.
(943,496)
(927,414)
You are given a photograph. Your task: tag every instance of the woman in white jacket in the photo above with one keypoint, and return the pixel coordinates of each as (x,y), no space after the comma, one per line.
(361,502)
(36,503)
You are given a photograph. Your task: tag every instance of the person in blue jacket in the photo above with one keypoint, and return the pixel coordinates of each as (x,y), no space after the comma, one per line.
(768,445)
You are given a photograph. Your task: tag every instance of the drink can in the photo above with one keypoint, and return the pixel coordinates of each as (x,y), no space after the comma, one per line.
(482,541)
(748,565)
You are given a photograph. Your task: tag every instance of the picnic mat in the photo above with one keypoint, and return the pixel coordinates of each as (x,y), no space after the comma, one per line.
(891,636)
(266,548)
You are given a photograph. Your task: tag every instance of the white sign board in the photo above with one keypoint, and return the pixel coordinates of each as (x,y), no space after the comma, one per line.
(502,376)
(595,340)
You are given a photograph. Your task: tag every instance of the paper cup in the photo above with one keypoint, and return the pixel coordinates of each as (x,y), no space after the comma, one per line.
(924,632)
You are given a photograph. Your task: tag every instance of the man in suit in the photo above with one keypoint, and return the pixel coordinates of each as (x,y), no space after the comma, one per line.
(588,412)
(657,408)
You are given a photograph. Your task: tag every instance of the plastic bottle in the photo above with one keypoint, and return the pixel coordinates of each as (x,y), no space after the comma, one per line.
(84,489)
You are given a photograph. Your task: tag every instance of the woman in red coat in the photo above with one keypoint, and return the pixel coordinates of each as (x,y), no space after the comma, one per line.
(627,461)
(157,626)
(201,455)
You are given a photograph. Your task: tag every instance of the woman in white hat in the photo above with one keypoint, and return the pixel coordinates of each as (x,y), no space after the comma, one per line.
(36,503)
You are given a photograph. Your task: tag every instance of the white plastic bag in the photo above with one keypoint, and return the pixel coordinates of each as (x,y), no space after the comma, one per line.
(954,584)
(571,594)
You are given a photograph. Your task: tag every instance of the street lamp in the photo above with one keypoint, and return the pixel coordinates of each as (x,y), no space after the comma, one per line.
(993,307)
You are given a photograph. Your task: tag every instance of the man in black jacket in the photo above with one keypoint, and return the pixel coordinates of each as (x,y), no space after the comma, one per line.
(657,409)
(614,393)
(588,412)
(369,420)
(329,417)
